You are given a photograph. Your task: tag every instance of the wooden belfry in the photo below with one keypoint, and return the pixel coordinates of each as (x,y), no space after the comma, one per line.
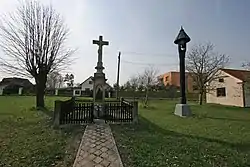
(99,76)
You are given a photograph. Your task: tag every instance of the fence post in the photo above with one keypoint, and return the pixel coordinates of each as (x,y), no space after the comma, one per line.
(57,111)
(135,111)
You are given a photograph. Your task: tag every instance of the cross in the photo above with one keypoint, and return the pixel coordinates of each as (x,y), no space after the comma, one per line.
(100,43)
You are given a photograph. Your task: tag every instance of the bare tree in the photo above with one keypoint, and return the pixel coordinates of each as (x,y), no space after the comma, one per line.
(33,39)
(127,86)
(134,84)
(54,80)
(246,65)
(203,64)
(115,86)
(69,79)
(148,78)
(78,84)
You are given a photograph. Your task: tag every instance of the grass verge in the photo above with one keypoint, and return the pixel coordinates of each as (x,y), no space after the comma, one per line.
(215,136)
(28,139)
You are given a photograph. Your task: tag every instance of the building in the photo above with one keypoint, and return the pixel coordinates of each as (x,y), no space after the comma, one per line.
(88,84)
(15,85)
(231,87)
(173,78)
(86,87)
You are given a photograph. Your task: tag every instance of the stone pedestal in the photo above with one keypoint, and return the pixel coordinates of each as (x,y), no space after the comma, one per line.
(182,110)
(99,121)
(99,87)
(98,111)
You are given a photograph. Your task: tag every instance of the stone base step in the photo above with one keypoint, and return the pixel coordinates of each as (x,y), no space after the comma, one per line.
(99,121)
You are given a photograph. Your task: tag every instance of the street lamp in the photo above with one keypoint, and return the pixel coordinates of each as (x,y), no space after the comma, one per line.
(181,40)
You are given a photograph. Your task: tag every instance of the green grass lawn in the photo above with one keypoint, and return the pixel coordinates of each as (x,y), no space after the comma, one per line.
(28,139)
(216,136)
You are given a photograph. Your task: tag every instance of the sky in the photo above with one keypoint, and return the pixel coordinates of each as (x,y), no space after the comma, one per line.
(144,31)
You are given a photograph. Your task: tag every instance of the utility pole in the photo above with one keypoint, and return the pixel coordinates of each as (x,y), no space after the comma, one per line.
(118,76)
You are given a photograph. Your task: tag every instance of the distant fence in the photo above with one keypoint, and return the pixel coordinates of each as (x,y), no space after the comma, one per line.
(69,92)
(15,91)
(158,95)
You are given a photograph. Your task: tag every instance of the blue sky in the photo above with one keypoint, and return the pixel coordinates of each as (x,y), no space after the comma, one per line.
(149,27)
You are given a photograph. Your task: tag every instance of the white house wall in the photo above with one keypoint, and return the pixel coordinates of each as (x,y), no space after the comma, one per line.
(234,92)
(85,85)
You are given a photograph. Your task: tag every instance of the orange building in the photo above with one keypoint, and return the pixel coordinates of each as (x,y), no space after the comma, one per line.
(173,78)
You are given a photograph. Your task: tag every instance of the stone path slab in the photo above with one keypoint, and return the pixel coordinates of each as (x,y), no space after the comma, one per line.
(98,148)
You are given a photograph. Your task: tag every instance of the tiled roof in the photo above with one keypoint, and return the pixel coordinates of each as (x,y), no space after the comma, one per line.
(240,74)
(162,75)
(16,81)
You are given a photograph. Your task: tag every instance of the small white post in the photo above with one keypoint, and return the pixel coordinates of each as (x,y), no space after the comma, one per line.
(74,92)
(1,91)
(20,90)
(56,92)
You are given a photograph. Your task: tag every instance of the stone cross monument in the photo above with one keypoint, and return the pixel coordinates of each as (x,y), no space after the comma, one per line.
(99,76)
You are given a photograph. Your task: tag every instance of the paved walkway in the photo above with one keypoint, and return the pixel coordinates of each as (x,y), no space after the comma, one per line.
(98,148)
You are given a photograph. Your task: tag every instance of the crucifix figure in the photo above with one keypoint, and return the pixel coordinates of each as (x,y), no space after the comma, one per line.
(99,76)
(100,43)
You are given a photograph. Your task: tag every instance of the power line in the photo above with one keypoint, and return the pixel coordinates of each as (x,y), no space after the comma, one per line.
(149,54)
(148,64)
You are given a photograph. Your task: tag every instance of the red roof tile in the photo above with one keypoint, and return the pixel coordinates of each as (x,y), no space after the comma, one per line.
(240,74)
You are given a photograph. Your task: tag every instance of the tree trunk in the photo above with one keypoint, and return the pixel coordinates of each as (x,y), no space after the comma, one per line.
(201,97)
(40,91)
(134,94)
(146,99)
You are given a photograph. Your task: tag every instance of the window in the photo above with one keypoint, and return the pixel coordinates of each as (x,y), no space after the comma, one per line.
(221,92)
(195,87)
(90,82)
(221,80)
(166,79)
(77,92)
